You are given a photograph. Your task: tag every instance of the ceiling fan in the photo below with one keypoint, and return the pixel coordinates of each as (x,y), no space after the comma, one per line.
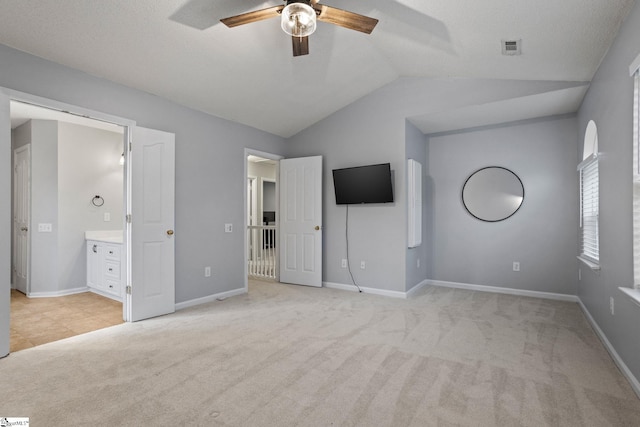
(298,19)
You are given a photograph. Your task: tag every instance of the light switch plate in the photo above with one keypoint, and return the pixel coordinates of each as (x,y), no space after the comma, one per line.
(45,228)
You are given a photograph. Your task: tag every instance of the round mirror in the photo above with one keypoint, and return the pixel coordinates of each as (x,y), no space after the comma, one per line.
(492,194)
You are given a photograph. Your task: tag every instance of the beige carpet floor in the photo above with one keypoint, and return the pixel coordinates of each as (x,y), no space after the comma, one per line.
(287,355)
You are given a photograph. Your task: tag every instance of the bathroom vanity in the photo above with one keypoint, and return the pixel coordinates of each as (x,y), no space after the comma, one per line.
(104,261)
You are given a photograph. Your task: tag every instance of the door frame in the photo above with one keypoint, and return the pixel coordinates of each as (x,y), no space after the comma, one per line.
(8,95)
(265,155)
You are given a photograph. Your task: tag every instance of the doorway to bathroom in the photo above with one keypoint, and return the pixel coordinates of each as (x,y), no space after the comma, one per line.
(68,187)
(148,249)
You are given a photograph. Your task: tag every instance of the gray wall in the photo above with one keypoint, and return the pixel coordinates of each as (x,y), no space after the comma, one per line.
(372,130)
(44,206)
(609,102)
(88,165)
(209,165)
(416,149)
(376,231)
(541,235)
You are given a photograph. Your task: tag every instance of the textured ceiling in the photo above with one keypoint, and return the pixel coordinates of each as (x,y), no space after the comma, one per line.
(177,49)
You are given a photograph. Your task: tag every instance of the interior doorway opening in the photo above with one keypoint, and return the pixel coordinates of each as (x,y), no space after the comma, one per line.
(68,185)
(262,217)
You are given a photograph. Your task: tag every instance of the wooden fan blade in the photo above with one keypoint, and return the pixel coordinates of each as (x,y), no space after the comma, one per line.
(346,19)
(249,17)
(300,45)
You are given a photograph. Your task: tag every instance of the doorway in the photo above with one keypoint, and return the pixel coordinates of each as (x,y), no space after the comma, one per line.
(297,235)
(261,221)
(149,210)
(68,185)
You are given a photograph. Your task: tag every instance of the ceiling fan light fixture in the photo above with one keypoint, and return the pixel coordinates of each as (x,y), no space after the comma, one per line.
(298,19)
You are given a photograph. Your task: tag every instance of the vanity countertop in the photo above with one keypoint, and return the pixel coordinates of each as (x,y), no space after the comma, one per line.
(107,236)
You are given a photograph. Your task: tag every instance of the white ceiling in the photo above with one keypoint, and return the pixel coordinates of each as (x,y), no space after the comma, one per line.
(179,50)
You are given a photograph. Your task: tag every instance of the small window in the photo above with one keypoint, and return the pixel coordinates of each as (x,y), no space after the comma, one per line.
(590,200)
(636,178)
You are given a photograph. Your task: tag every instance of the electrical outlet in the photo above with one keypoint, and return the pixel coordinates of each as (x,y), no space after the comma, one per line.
(228,228)
(107,217)
(45,228)
(516,266)
(207,272)
(344,263)
(612,306)
(363,265)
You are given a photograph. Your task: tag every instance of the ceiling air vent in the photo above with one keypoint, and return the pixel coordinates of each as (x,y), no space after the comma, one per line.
(511,47)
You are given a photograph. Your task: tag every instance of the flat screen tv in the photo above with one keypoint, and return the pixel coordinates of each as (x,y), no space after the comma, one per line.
(363,184)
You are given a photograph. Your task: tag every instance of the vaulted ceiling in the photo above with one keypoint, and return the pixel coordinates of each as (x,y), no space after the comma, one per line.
(179,50)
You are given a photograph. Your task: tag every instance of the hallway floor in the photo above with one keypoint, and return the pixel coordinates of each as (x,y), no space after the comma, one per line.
(36,321)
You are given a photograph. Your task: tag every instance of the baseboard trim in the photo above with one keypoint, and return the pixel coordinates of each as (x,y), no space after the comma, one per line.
(508,291)
(210,298)
(373,291)
(411,292)
(105,294)
(61,293)
(633,381)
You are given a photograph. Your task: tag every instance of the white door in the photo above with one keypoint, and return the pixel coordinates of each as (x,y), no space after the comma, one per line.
(5,218)
(152,171)
(301,221)
(21,209)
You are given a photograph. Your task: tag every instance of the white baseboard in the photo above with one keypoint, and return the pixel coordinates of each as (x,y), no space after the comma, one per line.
(210,298)
(635,384)
(61,293)
(509,291)
(411,292)
(105,294)
(374,291)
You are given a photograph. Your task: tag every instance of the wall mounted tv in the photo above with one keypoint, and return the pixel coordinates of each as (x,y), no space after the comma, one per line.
(363,184)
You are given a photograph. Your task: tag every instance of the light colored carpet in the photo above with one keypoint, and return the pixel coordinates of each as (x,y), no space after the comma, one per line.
(288,355)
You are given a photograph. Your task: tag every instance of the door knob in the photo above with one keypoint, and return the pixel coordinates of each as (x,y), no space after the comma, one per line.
(169,232)
(317,227)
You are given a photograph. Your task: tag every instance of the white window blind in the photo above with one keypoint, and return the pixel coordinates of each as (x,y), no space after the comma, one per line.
(636,180)
(589,209)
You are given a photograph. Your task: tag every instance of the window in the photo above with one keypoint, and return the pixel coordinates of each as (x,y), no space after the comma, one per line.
(589,200)
(589,183)
(636,179)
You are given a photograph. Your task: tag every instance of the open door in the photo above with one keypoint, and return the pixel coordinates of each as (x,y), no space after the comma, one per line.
(301,221)
(5,218)
(152,287)
(21,210)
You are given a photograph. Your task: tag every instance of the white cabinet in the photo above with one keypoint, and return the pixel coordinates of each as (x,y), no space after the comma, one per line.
(104,275)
